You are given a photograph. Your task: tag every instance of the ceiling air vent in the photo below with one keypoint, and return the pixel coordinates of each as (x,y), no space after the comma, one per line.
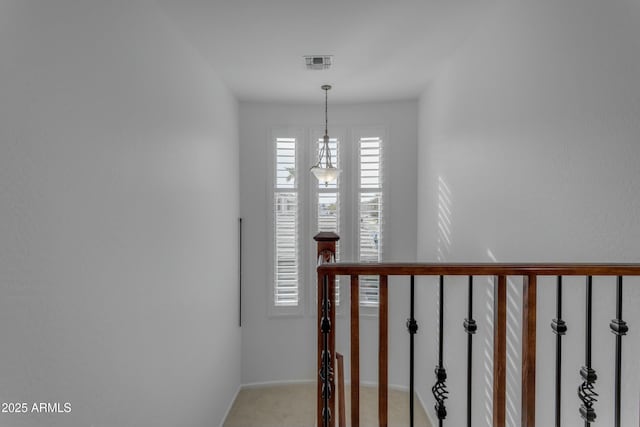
(318,62)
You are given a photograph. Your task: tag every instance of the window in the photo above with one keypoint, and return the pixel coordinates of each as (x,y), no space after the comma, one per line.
(369,213)
(352,207)
(286,229)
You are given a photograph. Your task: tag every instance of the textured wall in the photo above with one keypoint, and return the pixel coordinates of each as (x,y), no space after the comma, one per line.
(529,151)
(118,219)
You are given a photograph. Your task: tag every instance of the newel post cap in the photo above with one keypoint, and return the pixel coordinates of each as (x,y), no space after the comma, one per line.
(326,236)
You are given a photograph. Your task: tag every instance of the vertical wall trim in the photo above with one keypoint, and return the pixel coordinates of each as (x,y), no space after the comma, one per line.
(240,272)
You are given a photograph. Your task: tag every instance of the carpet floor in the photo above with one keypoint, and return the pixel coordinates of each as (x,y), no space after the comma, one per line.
(294,406)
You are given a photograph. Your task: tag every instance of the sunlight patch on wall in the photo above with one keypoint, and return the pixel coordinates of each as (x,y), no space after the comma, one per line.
(444,220)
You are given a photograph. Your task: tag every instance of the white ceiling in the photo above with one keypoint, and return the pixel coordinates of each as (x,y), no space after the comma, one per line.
(383,49)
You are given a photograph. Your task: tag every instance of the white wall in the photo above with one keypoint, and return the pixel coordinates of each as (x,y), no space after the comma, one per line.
(531,131)
(118,219)
(278,349)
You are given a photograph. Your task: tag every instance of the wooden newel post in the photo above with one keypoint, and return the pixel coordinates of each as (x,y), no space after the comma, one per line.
(326,243)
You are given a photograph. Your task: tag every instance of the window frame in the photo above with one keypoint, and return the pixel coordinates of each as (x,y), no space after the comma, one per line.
(356,135)
(274,310)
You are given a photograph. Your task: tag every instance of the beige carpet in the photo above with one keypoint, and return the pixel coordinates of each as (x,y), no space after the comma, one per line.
(294,406)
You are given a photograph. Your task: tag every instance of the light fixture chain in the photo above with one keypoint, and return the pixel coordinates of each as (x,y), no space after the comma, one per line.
(326,111)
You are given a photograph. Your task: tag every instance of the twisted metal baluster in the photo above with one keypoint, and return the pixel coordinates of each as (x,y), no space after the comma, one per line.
(440,393)
(586,390)
(439,390)
(326,372)
(588,396)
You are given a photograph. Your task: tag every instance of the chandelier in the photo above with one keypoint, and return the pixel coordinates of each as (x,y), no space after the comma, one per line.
(324,170)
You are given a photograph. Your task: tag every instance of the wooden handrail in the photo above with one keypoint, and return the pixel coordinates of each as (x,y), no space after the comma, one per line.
(480,269)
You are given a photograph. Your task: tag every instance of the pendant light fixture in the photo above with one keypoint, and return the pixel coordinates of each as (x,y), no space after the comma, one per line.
(324,170)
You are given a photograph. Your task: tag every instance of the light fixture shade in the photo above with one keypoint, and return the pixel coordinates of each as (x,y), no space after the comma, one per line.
(325,174)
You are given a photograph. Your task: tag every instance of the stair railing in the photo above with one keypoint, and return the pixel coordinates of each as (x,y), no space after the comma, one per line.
(327,270)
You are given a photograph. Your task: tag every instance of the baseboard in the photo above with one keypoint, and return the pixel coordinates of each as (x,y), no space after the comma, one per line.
(375,384)
(424,407)
(226,414)
(275,383)
(294,382)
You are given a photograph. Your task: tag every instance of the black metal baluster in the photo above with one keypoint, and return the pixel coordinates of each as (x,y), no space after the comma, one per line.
(470,328)
(619,328)
(586,391)
(326,372)
(439,390)
(240,272)
(559,328)
(412,327)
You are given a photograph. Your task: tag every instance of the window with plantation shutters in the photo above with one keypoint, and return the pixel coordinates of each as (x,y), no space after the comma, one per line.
(286,225)
(352,207)
(370,213)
